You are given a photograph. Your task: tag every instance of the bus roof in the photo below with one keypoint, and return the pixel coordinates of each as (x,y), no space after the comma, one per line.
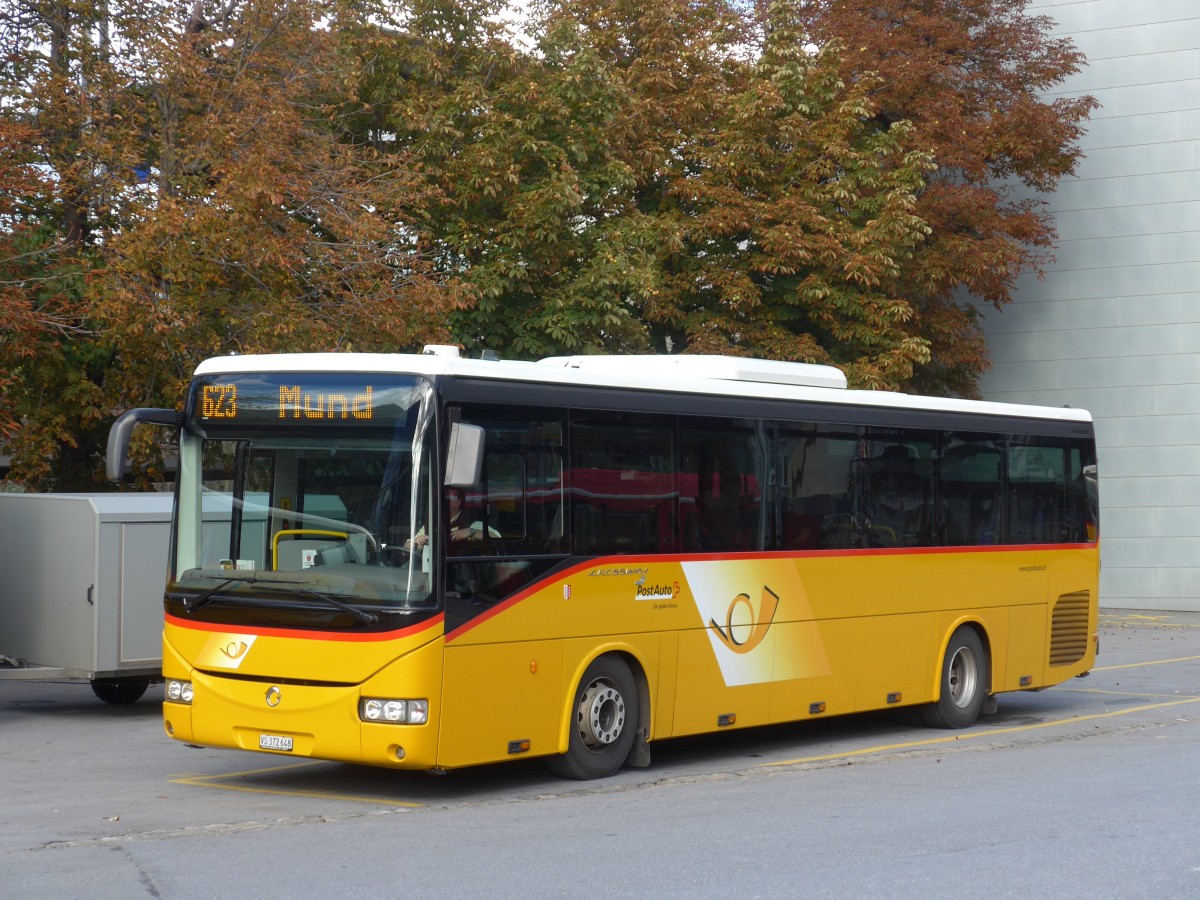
(726,376)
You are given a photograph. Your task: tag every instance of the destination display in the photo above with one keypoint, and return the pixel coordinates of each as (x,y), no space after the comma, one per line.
(301,400)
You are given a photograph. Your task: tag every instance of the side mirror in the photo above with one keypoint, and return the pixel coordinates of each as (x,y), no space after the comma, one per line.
(464,456)
(118,436)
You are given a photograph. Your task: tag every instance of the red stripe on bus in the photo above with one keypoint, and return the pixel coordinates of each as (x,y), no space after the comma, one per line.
(436,622)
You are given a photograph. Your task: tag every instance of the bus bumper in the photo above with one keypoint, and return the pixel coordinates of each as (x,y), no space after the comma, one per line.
(308,721)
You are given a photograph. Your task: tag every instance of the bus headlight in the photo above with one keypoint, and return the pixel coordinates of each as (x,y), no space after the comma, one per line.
(393,711)
(178,691)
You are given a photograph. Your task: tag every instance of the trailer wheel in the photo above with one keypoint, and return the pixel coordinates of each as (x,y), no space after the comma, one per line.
(120,691)
(964,682)
(604,719)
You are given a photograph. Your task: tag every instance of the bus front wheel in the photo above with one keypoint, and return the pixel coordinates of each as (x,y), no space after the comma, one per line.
(964,682)
(604,719)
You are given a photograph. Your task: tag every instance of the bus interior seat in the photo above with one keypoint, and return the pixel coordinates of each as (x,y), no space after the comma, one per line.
(1034,513)
(802,521)
(898,496)
(970,513)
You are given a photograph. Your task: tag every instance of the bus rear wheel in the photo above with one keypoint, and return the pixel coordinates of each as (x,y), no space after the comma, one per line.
(604,719)
(964,682)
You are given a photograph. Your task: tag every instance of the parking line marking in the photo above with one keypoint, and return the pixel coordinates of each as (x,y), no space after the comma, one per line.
(261,770)
(215,781)
(1174,696)
(950,739)
(1151,662)
(1167,620)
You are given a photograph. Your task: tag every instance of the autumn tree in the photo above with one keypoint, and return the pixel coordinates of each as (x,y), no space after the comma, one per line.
(646,178)
(799,217)
(818,180)
(23,319)
(970,78)
(532,202)
(49,167)
(204,199)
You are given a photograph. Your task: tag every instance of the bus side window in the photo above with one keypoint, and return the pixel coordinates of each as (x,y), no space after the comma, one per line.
(898,488)
(818,487)
(721,468)
(522,494)
(969,490)
(1038,506)
(1082,493)
(622,483)
(501,507)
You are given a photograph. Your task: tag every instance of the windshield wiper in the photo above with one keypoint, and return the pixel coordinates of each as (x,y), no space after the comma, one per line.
(361,614)
(208,595)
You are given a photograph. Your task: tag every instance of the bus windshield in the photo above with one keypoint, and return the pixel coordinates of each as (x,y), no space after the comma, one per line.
(303,494)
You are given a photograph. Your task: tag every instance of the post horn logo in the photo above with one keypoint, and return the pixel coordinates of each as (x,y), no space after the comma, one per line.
(748,631)
(234,649)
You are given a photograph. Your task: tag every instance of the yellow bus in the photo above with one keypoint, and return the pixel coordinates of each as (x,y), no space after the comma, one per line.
(428,562)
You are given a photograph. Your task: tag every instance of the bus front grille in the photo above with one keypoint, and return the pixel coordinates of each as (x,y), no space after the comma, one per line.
(1069,628)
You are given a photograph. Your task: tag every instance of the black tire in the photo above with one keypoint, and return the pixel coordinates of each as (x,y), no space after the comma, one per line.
(604,717)
(964,682)
(120,691)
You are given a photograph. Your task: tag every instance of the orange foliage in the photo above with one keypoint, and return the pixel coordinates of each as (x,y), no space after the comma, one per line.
(971,76)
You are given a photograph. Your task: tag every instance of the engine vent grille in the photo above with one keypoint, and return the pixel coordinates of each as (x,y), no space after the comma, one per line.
(1069,628)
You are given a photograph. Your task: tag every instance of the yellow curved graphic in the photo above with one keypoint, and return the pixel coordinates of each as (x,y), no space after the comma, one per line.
(757,624)
(756,641)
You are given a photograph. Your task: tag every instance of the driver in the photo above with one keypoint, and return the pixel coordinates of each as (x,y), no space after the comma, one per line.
(459,530)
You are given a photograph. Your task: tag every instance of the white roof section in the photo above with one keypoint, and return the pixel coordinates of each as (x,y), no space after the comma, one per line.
(698,374)
(722,368)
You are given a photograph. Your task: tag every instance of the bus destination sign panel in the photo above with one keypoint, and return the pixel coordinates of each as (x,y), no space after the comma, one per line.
(300,400)
(220,401)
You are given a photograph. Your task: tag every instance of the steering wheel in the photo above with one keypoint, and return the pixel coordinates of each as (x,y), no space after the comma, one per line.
(396,555)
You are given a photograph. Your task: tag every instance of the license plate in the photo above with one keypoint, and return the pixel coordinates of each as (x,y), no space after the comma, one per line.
(274,742)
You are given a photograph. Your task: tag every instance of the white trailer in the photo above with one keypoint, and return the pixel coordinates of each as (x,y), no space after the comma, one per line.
(81,589)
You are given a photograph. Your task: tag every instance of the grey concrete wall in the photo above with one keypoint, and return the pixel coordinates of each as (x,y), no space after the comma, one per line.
(1115,325)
